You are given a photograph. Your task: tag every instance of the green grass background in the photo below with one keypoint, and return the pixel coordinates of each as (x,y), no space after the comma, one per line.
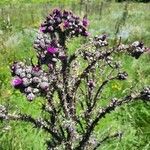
(19,22)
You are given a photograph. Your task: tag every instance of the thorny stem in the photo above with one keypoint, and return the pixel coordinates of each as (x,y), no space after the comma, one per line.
(66,133)
(88,69)
(100,89)
(118,134)
(111,107)
(39,123)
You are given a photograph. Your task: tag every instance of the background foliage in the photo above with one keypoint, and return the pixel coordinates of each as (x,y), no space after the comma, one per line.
(19,24)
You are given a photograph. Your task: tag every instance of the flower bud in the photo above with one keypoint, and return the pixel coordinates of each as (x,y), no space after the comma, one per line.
(18,71)
(28,89)
(52,50)
(91,83)
(17,81)
(44,85)
(145,93)
(30,96)
(122,76)
(35,80)
(35,90)
(26,82)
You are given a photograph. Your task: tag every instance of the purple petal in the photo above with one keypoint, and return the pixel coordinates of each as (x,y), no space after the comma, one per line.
(52,50)
(36,68)
(85,22)
(17,81)
(66,24)
(86,33)
(42,29)
(57,12)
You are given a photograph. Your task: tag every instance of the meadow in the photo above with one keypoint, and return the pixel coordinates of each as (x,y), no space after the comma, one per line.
(19,23)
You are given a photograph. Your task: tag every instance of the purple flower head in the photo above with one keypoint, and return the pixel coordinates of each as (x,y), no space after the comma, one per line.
(56,11)
(57,19)
(66,24)
(52,50)
(65,13)
(30,96)
(44,85)
(42,29)
(86,33)
(13,67)
(141,44)
(62,57)
(36,68)
(54,43)
(50,66)
(50,28)
(53,47)
(85,22)
(103,37)
(17,81)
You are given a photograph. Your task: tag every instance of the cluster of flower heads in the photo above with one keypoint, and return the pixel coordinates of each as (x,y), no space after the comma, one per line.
(48,50)
(145,94)
(100,41)
(50,46)
(137,48)
(53,31)
(65,22)
(31,80)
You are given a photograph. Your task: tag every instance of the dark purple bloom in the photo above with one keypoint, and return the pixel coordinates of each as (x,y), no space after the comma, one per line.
(50,28)
(13,68)
(62,57)
(85,33)
(36,68)
(66,24)
(42,29)
(54,43)
(57,19)
(17,81)
(52,50)
(65,13)
(85,22)
(103,37)
(57,12)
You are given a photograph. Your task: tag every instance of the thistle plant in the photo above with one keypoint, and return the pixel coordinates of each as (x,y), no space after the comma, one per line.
(72,85)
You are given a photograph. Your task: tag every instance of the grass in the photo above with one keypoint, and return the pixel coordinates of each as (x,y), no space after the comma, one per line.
(18,26)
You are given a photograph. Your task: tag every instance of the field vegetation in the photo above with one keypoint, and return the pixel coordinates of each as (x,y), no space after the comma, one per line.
(19,24)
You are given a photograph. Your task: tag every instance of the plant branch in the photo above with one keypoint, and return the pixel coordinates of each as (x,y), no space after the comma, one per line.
(38,123)
(102,113)
(118,134)
(89,67)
